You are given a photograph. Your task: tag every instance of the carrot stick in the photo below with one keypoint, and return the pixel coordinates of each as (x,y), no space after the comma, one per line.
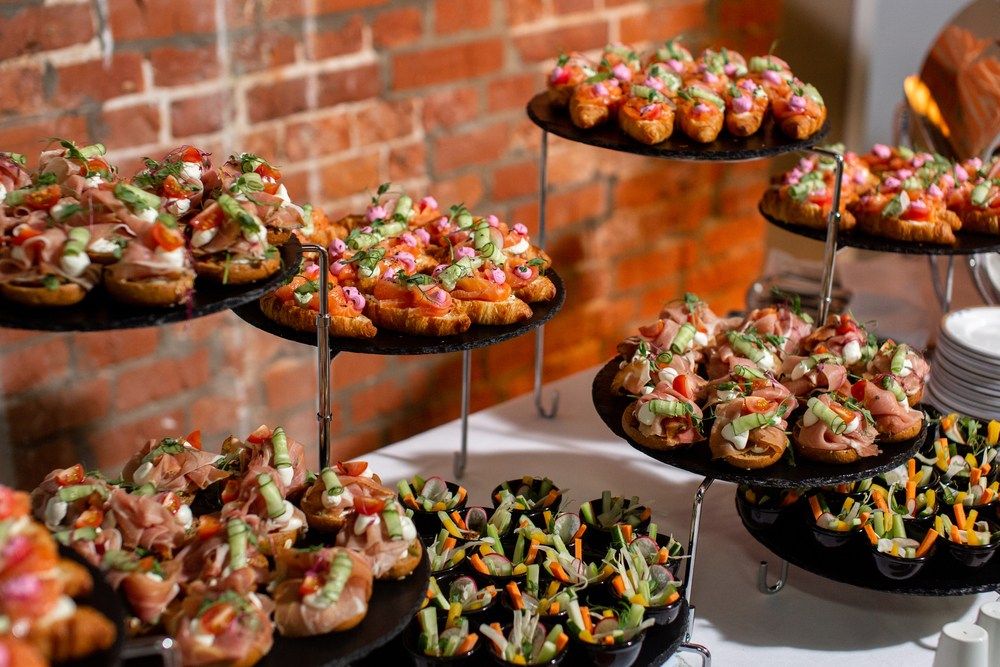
(496,626)
(816,509)
(927,542)
(987,496)
(974,475)
(449,542)
(609,640)
(588,625)
(467,644)
(959,509)
(532,552)
(911,489)
(880,501)
(955,537)
(864,517)
(550,498)
(673,597)
(985,468)
(619,585)
(554,608)
(461,496)
(870,532)
(578,549)
(663,555)
(580,531)
(478,563)
(561,641)
(456,517)
(558,572)
(514,592)
(911,469)
(627,532)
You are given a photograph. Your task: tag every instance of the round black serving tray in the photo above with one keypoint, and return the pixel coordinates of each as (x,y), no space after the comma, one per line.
(661,642)
(698,458)
(767,142)
(104,599)
(391,342)
(100,312)
(789,538)
(968,243)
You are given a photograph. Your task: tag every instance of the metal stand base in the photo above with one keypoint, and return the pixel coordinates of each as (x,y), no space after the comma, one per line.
(943,287)
(762,584)
(706,655)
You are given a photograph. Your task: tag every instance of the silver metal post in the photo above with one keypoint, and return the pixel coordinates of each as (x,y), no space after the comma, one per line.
(324,415)
(543,190)
(706,655)
(164,647)
(461,457)
(692,552)
(943,292)
(832,227)
(762,584)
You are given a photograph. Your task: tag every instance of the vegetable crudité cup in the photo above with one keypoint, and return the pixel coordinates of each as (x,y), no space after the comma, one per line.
(426,497)
(836,530)
(602,514)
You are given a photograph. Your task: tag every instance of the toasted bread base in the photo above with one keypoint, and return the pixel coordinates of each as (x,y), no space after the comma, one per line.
(412,321)
(538,290)
(404,566)
(802,213)
(74,637)
(836,457)
(649,132)
(559,95)
(800,126)
(239,272)
(906,434)
(984,222)
(319,517)
(631,425)
(495,313)
(916,398)
(704,131)
(152,292)
(303,319)
(586,115)
(939,231)
(278,237)
(746,459)
(66,294)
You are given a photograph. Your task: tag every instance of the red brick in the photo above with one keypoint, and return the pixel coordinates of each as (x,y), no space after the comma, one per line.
(477,146)
(345,38)
(409,161)
(330,6)
(669,258)
(113,446)
(286,9)
(457,15)
(35,364)
(450,107)
(355,445)
(351,370)
(568,207)
(97,350)
(201,114)
(31,417)
(349,85)
(727,234)
(288,382)
(33,29)
(262,141)
(663,21)
(159,18)
(513,92)
(130,126)
(164,377)
(261,50)
(320,136)
(524,11)
(384,121)
(447,63)
(380,399)
(174,66)
(573,6)
(515,180)
(467,189)
(351,176)
(398,27)
(25,90)
(29,137)
(547,44)
(276,99)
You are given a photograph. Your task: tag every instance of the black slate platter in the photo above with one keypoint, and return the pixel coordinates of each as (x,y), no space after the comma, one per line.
(698,459)
(660,643)
(99,312)
(391,342)
(968,243)
(789,538)
(104,599)
(767,142)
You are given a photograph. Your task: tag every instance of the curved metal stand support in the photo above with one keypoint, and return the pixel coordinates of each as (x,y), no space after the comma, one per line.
(699,497)
(543,189)
(462,456)
(762,584)
(164,647)
(706,655)
(324,416)
(943,292)
(980,277)
(832,227)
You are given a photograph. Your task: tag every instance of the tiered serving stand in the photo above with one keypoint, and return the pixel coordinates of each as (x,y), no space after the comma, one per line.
(392,604)
(769,143)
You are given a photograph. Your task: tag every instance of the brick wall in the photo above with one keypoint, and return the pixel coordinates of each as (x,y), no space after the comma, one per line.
(344,94)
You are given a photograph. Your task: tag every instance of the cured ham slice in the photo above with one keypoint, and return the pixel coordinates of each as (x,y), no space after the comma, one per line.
(825,375)
(173,465)
(300,607)
(144,522)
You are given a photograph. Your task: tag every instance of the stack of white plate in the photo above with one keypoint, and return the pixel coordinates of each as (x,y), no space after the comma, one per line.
(965,376)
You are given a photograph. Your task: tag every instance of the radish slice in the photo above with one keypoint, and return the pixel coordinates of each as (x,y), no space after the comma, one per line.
(566,526)
(462,590)
(475,520)
(498,565)
(646,548)
(435,489)
(606,626)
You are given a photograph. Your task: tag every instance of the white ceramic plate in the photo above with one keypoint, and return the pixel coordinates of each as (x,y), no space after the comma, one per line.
(950,403)
(976,329)
(968,371)
(961,389)
(960,352)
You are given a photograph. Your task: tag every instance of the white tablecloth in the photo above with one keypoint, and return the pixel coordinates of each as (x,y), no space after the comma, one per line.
(812,621)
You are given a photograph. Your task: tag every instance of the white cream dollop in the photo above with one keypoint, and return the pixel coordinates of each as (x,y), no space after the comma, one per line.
(147,215)
(853,425)
(667,374)
(519,247)
(173,258)
(739,441)
(184,516)
(141,473)
(203,638)
(93,181)
(74,265)
(852,352)
(766,362)
(203,236)
(286,473)
(332,501)
(645,415)
(809,418)
(907,367)
(700,338)
(178,206)
(102,246)
(801,369)
(365,520)
(55,512)
(191,170)
(409,530)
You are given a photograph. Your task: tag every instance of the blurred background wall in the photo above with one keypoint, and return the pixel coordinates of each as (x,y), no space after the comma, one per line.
(345,94)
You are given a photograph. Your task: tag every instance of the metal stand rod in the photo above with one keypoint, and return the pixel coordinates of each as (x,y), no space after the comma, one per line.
(462,455)
(699,497)
(762,584)
(943,292)
(543,188)
(987,292)
(706,655)
(164,647)
(832,227)
(324,416)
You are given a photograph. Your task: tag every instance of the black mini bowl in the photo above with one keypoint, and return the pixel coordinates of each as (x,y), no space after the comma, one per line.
(973,556)
(759,517)
(411,637)
(497,660)
(451,569)
(535,512)
(488,613)
(832,539)
(918,523)
(599,538)
(674,562)
(663,614)
(548,619)
(896,567)
(615,655)
(428,524)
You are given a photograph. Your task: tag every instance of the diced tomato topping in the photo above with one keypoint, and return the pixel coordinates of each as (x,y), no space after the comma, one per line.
(231,491)
(821,198)
(757,404)
(368,506)
(682,385)
(352,468)
(171,501)
(99,165)
(70,476)
(309,585)
(844,413)
(171,187)
(267,171)
(191,154)
(652,113)
(146,563)
(91,518)
(914,213)
(207,219)
(858,390)
(43,198)
(167,238)
(260,436)
(652,330)
(563,77)
(847,325)
(209,526)
(194,438)
(24,232)
(218,618)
